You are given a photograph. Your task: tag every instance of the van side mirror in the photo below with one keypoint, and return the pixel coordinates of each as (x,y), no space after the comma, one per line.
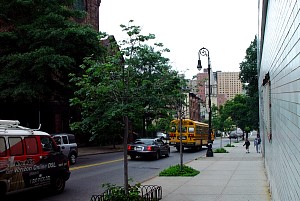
(58,148)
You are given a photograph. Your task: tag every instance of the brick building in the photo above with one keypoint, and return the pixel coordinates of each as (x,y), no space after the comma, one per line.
(92,9)
(54,113)
(191,108)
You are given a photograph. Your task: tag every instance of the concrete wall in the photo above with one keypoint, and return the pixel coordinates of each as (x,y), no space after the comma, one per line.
(279,88)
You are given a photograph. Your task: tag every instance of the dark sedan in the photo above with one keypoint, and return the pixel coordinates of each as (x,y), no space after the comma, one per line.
(148,147)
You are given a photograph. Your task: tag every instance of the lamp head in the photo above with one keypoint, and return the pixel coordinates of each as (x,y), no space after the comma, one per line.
(199,66)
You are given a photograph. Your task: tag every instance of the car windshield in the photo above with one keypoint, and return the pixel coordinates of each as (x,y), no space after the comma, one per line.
(144,141)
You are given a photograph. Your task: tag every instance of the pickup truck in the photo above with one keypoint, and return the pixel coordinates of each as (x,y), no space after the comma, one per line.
(67,145)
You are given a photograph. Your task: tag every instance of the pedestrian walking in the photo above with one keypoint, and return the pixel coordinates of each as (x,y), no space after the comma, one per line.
(247,144)
(257,143)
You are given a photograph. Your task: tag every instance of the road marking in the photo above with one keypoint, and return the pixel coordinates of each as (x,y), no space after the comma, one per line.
(95,164)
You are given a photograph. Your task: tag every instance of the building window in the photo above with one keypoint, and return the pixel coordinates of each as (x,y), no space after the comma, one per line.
(80,5)
(266,105)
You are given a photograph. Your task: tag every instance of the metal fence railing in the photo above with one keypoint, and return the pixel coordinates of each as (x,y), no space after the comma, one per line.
(146,193)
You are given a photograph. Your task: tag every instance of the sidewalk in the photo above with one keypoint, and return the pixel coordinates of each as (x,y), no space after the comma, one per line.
(233,176)
(83,151)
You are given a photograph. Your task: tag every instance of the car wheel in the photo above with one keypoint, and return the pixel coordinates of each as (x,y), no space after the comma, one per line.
(168,154)
(157,155)
(3,190)
(58,184)
(132,157)
(73,159)
(178,148)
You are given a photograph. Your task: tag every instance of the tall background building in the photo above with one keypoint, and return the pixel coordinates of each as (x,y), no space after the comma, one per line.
(224,86)
(229,85)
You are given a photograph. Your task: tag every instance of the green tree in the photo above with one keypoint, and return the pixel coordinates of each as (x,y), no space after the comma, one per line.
(238,110)
(248,69)
(249,76)
(228,124)
(136,81)
(41,43)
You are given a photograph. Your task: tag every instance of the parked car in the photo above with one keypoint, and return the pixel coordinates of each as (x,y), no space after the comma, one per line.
(30,158)
(232,135)
(148,147)
(235,134)
(68,145)
(162,135)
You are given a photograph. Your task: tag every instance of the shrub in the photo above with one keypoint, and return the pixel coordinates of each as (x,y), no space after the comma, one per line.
(118,192)
(229,145)
(220,150)
(175,171)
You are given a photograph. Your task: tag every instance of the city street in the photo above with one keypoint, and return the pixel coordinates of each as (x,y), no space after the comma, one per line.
(91,171)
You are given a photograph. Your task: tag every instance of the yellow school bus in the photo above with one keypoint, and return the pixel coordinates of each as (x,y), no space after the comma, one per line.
(194,134)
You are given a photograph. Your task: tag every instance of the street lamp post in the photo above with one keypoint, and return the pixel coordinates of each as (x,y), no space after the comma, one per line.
(204,52)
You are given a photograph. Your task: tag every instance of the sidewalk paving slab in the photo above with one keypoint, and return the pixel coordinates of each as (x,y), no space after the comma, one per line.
(233,176)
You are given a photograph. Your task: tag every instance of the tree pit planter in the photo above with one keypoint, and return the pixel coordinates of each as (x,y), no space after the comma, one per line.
(145,193)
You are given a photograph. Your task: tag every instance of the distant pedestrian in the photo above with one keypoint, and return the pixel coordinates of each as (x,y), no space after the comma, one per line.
(257,143)
(247,143)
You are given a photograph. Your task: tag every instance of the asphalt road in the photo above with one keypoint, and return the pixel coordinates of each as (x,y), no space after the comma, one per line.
(90,172)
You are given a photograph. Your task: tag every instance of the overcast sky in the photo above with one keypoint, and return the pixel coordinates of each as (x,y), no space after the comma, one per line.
(225,28)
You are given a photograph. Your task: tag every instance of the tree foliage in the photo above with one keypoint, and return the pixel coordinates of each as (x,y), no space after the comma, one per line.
(248,67)
(135,81)
(40,45)
(242,110)
(249,76)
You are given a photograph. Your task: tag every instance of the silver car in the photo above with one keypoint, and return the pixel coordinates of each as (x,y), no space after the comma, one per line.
(162,135)
(67,145)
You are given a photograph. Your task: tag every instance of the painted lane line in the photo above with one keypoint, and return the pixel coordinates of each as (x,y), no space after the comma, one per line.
(96,164)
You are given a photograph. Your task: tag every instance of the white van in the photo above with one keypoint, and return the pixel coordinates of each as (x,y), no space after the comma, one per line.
(30,158)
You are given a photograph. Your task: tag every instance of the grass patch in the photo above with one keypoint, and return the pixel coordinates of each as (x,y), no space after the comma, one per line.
(229,145)
(175,171)
(220,150)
